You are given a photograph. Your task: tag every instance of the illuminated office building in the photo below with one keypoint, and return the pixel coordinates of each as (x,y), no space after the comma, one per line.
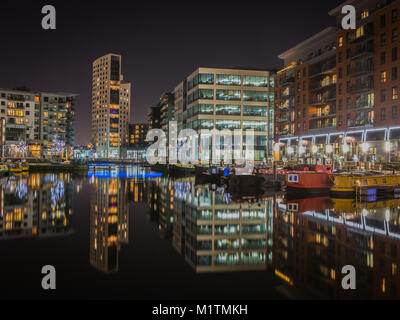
(227,99)
(111,100)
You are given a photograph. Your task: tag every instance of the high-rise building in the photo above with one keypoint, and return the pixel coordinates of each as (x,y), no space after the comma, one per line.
(337,95)
(110,107)
(228,99)
(154,117)
(37,119)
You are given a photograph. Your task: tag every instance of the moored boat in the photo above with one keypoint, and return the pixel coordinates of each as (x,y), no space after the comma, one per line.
(309,179)
(365,184)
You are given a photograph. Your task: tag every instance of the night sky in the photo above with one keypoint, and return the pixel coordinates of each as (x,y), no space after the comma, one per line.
(160,43)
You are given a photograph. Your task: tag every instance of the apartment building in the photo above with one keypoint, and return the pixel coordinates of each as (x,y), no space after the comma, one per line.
(337,95)
(111,100)
(37,119)
(137,141)
(227,99)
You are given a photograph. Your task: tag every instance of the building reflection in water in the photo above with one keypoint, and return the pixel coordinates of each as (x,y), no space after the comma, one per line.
(36,205)
(212,233)
(315,238)
(109,221)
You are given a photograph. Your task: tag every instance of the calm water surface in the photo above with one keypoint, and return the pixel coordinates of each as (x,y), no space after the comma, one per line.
(121,233)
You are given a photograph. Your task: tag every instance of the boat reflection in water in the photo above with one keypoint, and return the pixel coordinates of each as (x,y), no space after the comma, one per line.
(212,232)
(304,242)
(38,205)
(315,238)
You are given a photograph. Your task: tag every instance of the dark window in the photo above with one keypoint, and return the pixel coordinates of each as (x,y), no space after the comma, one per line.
(383,21)
(394,15)
(340,57)
(394,35)
(394,54)
(383,114)
(394,112)
(383,39)
(383,57)
(340,73)
(394,73)
(383,95)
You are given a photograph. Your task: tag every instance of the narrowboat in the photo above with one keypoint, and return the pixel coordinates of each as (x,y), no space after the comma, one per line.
(365,184)
(311,180)
(179,169)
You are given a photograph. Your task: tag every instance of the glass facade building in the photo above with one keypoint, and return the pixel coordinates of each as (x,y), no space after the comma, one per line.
(228,99)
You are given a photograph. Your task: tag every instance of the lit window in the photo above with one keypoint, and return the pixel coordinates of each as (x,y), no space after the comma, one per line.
(364,14)
(340,42)
(383,77)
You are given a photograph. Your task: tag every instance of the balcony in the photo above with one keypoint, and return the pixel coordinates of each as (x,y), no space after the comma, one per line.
(287,94)
(361,69)
(286,81)
(362,51)
(319,86)
(360,104)
(368,33)
(284,119)
(323,115)
(285,133)
(324,99)
(361,87)
(324,69)
(360,123)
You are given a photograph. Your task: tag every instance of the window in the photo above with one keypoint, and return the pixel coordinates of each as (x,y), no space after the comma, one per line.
(340,73)
(340,42)
(255,125)
(394,35)
(383,21)
(233,95)
(383,95)
(383,77)
(383,114)
(254,111)
(394,112)
(394,54)
(231,80)
(364,14)
(255,81)
(255,96)
(394,73)
(383,57)
(395,93)
(340,57)
(383,39)
(227,124)
(394,15)
(230,110)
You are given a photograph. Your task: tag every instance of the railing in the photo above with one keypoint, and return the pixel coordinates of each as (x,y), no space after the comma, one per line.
(323,115)
(322,85)
(325,99)
(286,81)
(325,67)
(360,123)
(361,87)
(361,69)
(360,104)
(361,51)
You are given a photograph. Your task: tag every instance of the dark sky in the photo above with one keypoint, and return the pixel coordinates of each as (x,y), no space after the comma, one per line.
(160,43)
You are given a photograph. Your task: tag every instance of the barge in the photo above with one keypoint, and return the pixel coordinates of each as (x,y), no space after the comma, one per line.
(364,184)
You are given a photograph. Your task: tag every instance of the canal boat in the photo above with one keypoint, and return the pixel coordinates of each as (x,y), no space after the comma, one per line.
(179,169)
(309,180)
(365,184)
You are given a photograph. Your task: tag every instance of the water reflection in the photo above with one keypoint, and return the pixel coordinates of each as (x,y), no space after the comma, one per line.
(109,221)
(36,205)
(303,242)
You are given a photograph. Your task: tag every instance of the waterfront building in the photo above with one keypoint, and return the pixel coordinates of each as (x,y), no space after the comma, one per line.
(227,99)
(337,95)
(111,100)
(154,117)
(137,141)
(35,120)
